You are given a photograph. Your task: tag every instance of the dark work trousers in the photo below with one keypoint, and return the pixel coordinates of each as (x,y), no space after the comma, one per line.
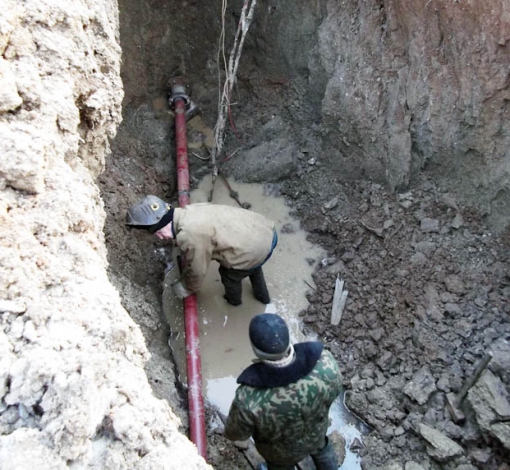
(324,459)
(232,280)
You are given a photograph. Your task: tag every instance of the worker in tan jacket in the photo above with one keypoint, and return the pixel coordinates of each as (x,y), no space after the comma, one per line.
(240,240)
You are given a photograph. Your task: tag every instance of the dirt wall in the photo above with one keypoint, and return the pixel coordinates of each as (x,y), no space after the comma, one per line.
(72,384)
(388,89)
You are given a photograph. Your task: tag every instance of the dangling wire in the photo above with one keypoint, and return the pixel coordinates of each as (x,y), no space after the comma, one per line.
(230,71)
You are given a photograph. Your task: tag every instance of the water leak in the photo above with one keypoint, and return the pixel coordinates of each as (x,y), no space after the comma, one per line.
(224,343)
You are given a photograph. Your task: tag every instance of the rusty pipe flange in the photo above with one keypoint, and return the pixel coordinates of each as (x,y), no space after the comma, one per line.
(178,89)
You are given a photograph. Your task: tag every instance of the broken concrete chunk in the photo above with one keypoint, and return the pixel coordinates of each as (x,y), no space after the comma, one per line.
(421,386)
(429,225)
(441,447)
(490,402)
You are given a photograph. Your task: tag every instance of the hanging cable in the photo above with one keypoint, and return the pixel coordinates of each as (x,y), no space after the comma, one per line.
(230,77)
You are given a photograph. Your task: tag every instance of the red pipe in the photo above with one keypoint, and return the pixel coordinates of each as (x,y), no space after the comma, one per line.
(192,333)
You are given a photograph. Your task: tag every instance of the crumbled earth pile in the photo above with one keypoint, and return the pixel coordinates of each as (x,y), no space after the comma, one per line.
(428,287)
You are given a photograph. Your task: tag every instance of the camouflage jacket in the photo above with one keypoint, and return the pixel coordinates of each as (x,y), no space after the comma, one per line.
(287,422)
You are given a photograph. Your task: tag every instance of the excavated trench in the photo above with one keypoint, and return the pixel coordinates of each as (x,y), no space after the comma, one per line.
(427,276)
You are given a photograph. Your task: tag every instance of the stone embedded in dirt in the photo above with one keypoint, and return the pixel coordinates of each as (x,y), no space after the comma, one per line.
(449,201)
(441,447)
(12,306)
(386,361)
(433,302)
(480,456)
(452,309)
(500,363)
(331,204)
(443,384)
(457,221)
(429,225)
(338,442)
(421,386)
(288,228)
(413,466)
(454,284)
(336,268)
(418,259)
(426,247)
(491,403)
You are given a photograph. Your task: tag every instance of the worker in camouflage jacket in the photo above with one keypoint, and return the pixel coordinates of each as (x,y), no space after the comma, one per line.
(240,240)
(283,399)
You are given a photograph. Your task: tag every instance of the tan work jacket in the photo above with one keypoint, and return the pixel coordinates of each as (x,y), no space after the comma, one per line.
(236,238)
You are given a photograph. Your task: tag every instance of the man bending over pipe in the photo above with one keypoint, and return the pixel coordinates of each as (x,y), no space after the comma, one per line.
(283,400)
(240,240)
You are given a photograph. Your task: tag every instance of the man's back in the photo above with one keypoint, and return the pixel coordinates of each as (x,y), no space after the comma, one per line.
(289,421)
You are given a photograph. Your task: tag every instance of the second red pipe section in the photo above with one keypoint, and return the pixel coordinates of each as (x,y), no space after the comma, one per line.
(192,332)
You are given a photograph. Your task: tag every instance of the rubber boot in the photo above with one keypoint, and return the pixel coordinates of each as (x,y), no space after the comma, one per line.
(326,458)
(259,286)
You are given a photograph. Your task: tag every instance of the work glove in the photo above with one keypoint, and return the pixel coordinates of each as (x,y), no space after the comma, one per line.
(180,290)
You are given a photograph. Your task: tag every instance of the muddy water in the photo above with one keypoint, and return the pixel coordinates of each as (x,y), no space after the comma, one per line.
(224,342)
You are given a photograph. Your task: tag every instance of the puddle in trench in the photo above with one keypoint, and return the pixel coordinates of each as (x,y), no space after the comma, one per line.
(224,342)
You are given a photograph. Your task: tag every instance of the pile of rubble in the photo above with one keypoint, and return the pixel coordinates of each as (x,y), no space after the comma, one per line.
(424,338)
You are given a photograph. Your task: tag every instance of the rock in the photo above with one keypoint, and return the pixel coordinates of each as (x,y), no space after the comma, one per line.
(336,268)
(377,333)
(426,247)
(418,259)
(441,447)
(452,309)
(429,225)
(338,442)
(413,466)
(443,384)
(399,430)
(433,303)
(490,401)
(449,201)
(388,223)
(9,97)
(270,161)
(393,466)
(480,456)
(421,386)
(454,284)
(12,306)
(500,363)
(386,361)
(331,204)
(457,221)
